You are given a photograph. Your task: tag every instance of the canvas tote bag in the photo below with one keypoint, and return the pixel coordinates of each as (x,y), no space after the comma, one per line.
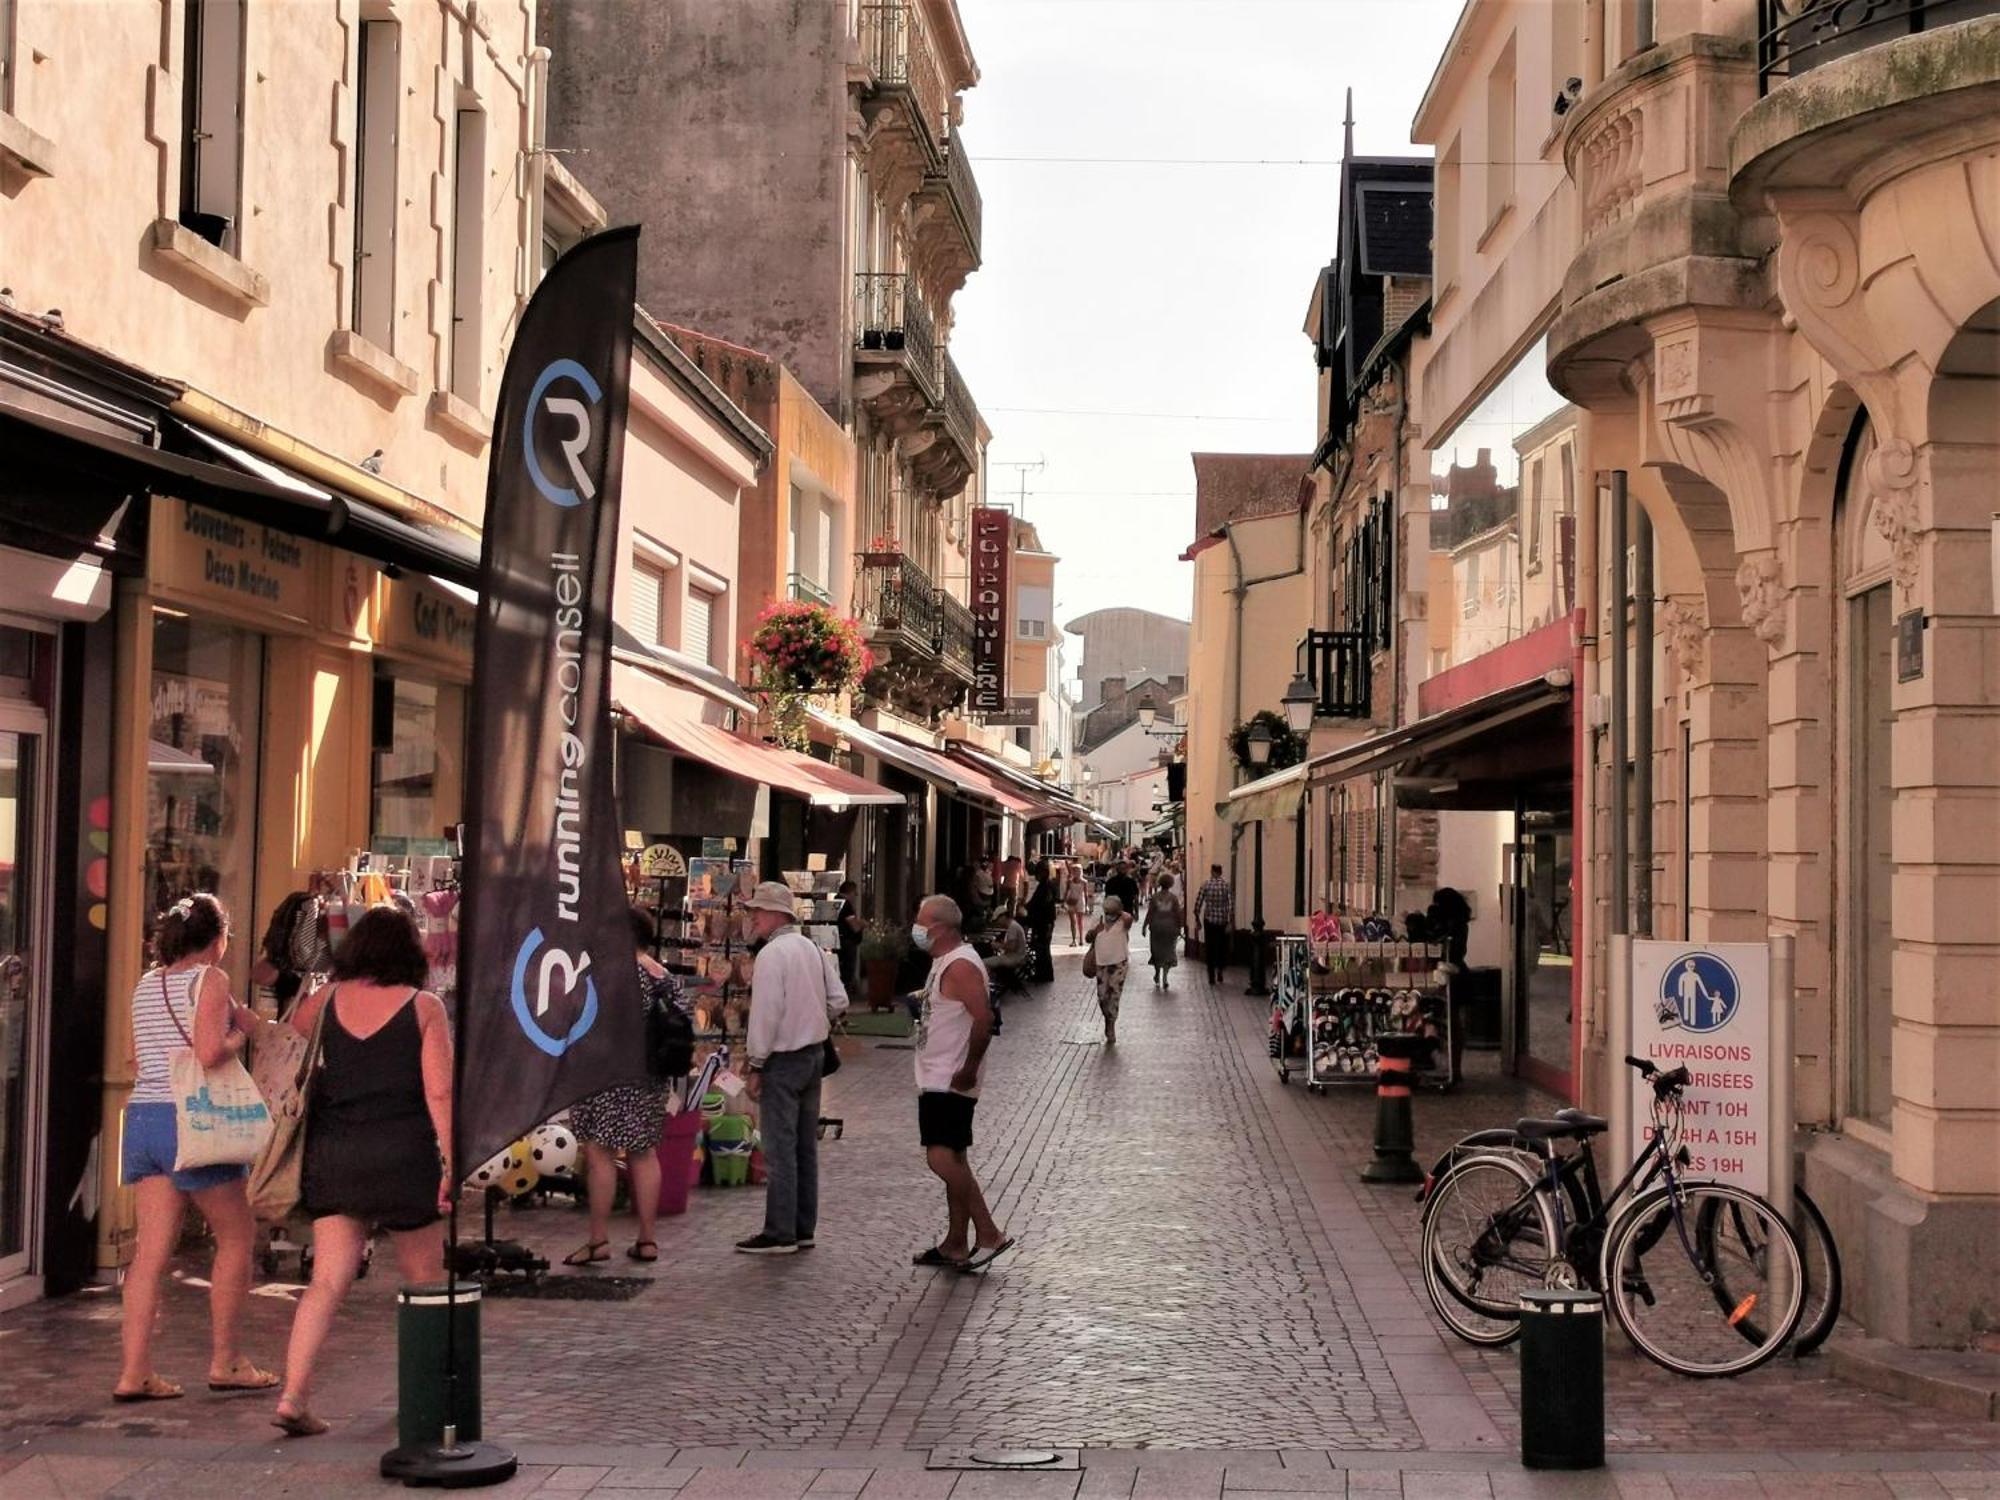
(282,1062)
(219,1117)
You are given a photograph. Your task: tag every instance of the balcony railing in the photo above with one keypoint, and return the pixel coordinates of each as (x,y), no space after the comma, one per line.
(896,46)
(803,590)
(1796,36)
(1336,663)
(955,632)
(963,190)
(889,316)
(961,417)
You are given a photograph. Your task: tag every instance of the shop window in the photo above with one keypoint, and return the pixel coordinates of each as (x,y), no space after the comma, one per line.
(468,246)
(377,93)
(419,770)
(212,120)
(201,770)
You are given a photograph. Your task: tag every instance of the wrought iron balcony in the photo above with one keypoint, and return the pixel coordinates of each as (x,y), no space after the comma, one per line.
(1796,36)
(802,589)
(955,634)
(953,453)
(1336,663)
(919,628)
(896,49)
(953,194)
(895,350)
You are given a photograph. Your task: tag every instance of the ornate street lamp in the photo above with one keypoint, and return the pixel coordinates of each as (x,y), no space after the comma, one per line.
(1299,702)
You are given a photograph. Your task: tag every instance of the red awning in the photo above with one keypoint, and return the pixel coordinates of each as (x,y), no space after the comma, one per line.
(649,702)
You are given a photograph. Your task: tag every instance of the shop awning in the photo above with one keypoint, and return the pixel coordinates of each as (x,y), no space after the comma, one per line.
(948,775)
(280,497)
(1511,746)
(1268,798)
(684,669)
(648,702)
(1054,800)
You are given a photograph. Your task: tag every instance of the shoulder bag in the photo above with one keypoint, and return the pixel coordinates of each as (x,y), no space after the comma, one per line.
(219,1117)
(283,1063)
(1090,954)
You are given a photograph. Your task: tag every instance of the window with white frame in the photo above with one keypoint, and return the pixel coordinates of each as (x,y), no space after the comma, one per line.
(212,120)
(1033,605)
(649,600)
(1500,111)
(468,250)
(1534,516)
(701,623)
(377,93)
(1445,223)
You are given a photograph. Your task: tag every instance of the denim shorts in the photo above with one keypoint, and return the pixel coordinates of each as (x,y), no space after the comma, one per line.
(148,1151)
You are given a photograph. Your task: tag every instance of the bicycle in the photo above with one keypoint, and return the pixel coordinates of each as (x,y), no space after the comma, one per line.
(1706,1278)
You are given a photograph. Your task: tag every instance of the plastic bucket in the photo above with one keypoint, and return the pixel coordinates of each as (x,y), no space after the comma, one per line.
(679,1165)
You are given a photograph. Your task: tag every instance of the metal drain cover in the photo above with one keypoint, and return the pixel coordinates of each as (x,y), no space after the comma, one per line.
(1017,1458)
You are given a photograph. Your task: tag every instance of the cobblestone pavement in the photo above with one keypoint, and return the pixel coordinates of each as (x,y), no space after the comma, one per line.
(1198,1270)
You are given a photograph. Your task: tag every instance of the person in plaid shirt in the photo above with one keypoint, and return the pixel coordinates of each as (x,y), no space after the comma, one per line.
(1215,909)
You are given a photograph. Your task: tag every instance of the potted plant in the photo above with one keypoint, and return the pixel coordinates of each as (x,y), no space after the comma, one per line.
(1288,746)
(801,650)
(882,551)
(883,948)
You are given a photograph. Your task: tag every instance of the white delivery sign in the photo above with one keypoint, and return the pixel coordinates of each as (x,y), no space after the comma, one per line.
(1707,1007)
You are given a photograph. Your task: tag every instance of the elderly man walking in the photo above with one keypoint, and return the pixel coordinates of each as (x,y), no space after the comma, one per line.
(795,990)
(951,1044)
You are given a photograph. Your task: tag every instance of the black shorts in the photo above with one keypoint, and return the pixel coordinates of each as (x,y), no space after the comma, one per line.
(945,1120)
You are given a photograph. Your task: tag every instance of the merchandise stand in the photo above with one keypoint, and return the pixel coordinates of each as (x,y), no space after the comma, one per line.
(1332,1002)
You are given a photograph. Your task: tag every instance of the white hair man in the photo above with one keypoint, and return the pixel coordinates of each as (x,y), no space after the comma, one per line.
(951,1045)
(794,989)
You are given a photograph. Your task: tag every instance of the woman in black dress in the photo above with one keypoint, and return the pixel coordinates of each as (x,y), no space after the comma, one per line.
(628,1118)
(379,1109)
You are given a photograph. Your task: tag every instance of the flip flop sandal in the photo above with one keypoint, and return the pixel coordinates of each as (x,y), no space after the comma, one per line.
(156,1388)
(245,1377)
(589,1255)
(651,1249)
(932,1256)
(981,1259)
(299,1424)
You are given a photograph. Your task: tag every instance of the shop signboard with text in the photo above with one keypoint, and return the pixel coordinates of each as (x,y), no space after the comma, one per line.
(992,534)
(240,565)
(1707,1007)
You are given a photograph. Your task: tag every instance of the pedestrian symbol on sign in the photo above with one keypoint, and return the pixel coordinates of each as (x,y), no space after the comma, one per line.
(1699,993)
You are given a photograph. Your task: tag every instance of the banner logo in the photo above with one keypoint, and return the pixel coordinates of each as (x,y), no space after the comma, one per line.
(578,417)
(1699,993)
(547,986)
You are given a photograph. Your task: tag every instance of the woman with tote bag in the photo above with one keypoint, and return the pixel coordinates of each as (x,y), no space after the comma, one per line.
(183,1006)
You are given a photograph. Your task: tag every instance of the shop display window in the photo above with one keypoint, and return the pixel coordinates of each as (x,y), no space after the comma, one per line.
(419,762)
(201,770)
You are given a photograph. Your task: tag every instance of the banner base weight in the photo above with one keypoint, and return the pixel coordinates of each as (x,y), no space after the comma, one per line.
(459,1466)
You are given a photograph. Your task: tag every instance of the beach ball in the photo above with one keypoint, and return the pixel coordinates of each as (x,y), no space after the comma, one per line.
(493,1172)
(552,1150)
(521,1176)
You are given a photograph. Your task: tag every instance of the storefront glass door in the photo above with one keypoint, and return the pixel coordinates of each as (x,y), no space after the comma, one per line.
(21,762)
(1537,1000)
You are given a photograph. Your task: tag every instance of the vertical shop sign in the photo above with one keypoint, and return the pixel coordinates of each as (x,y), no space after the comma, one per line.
(1707,1007)
(549,1003)
(991,532)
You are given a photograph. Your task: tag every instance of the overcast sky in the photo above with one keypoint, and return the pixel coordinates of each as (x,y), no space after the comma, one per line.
(1119,287)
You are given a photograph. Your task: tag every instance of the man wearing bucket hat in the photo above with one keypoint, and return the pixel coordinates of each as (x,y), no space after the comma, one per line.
(794,989)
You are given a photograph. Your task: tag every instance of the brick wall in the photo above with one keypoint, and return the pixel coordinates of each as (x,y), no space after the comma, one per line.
(1401,296)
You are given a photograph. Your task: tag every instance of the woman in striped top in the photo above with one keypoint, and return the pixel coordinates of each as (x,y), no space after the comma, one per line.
(183,1002)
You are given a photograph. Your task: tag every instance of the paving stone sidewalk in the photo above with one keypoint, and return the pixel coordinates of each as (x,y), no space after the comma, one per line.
(1199,1271)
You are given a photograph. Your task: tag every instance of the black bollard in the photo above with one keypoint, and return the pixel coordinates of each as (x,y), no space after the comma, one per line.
(1395,1135)
(1562,1379)
(437,1392)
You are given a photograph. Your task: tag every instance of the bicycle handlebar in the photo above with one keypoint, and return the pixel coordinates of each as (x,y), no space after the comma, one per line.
(1663,1083)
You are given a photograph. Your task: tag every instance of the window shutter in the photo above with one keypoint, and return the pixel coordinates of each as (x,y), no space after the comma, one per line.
(648,584)
(698,624)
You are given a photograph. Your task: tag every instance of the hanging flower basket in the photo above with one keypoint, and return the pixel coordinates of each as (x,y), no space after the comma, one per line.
(802,650)
(1288,747)
(882,552)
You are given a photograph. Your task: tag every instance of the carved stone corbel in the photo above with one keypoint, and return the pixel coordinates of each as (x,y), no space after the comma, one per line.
(1760,585)
(1686,634)
(1891,477)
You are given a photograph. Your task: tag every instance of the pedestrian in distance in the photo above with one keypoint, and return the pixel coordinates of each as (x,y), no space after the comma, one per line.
(1076,901)
(1164,923)
(851,927)
(795,994)
(378,1132)
(952,1035)
(183,1001)
(1110,951)
(1043,902)
(1123,884)
(1215,909)
(626,1119)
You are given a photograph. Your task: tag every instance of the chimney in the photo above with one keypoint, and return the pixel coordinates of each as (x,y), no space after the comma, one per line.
(1176,685)
(1113,691)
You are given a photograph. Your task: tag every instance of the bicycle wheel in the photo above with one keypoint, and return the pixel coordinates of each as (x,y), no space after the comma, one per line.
(1824,1283)
(1665,1273)
(1488,1234)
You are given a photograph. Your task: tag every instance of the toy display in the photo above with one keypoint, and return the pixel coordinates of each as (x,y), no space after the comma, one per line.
(1343,987)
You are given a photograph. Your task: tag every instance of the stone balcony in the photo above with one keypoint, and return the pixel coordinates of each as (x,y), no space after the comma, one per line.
(902,95)
(1649,152)
(945,453)
(945,219)
(897,370)
(921,636)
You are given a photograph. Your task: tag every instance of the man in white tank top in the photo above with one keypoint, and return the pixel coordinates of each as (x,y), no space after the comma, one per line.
(951,1044)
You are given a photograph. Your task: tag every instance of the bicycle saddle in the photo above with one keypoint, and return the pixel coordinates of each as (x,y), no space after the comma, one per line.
(1570,1125)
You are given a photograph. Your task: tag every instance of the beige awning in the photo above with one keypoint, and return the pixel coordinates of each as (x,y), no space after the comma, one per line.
(1266,799)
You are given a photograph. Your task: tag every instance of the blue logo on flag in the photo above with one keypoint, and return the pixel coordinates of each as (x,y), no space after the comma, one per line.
(578,415)
(1698,992)
(557,967)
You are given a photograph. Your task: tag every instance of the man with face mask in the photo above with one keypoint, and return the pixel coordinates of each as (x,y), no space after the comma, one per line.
(794,989)
(951,1044)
